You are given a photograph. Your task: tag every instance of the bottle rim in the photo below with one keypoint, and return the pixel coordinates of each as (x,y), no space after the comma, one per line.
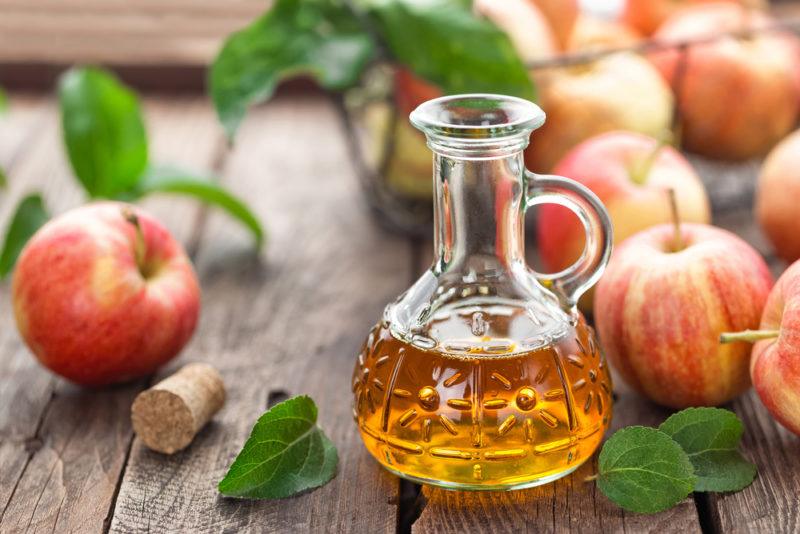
(478,116)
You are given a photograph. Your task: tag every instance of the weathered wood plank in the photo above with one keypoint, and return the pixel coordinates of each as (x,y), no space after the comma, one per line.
(772,502)
(291,323)
(120,32)
(25,389)
(71,443)
(18,124)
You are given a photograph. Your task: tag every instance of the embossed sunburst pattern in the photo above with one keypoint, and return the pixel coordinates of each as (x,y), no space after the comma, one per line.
(471,421)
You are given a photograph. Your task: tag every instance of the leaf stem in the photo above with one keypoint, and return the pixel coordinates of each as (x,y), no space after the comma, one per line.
(591,478)
(750,336)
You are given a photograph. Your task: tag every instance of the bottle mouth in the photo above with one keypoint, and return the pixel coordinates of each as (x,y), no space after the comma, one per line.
(477,124)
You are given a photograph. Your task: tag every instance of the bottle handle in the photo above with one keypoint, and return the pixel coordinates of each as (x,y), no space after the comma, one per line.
(576,279)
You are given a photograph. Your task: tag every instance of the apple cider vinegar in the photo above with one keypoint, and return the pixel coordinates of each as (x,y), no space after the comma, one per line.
(483,374)
(483,412)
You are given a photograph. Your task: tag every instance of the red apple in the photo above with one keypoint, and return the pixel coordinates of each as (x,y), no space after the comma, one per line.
(646,16)
(631,175)
(561,16)
(737,96)
(775,361)
(660,309)
(410,91)
(619,92)
(778,197)
(104,294)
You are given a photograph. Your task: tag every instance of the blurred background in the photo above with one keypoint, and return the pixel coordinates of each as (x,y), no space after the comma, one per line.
(718,80)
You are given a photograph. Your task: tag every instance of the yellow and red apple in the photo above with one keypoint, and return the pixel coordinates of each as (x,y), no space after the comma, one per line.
(778,197)
(619,92)
(646,16)
(775,360)
(631,174)
(661,306)
(737,96)
(104,294)
(561,16)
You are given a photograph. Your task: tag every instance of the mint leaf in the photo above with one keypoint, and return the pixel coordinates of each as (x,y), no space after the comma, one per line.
(446,43)
(285,454)
(29,217)
(320,38)
(168,180)
(644,470)
(710,437)
(103,131)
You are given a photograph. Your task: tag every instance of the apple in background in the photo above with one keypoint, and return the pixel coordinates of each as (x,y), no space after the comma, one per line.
(619,92)
(738,97)
(593,33)
(646,16)
(408,170)
(778,198)
(660,309)
(631,174)
(775,360)
(410,91)
(561,15)
(524,24)
(104,294)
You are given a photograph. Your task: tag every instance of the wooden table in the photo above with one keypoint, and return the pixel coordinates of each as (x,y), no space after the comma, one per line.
(286,323)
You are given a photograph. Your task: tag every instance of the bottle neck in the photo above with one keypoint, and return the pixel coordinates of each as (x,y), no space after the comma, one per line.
(478,217)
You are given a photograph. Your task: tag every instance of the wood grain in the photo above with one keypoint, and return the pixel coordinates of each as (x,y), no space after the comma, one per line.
(120,31)
(71,444)
(772,502)
(289,322)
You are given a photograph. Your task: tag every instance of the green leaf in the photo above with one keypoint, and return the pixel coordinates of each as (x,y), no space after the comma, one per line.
(644,470)
(446,43)
(710,437)
(3,101)
(169,180)
(320,38)
(285,454)
(3,178)
(29,217)
(103,131)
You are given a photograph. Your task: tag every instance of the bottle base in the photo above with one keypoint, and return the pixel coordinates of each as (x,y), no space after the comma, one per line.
(511,486)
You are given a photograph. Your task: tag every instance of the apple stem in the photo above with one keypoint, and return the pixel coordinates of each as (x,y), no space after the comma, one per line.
(639,175)
(677,244)
(750,336)
(139,247)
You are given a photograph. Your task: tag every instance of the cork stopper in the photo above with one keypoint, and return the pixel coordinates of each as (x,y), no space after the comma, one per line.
(167,416)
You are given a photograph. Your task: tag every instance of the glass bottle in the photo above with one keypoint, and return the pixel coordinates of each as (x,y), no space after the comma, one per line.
(483,374)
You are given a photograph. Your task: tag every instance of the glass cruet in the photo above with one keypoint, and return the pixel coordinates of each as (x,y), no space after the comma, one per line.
(483,374)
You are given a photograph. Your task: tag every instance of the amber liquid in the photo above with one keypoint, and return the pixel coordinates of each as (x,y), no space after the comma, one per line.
(482,412)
